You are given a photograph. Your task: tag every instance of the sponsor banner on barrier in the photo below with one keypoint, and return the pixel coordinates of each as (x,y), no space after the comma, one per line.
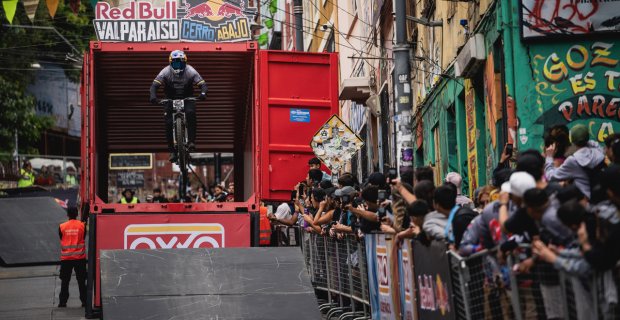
(432,278)
(407,283)
(382,271)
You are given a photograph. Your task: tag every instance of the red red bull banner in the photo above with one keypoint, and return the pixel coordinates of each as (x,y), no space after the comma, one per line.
(187,20)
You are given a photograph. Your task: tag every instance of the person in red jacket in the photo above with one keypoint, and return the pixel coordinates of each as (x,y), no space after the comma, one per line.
(73,256)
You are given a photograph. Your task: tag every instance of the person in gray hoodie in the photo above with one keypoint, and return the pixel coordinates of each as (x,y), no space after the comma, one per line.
(588,155)
(435,222)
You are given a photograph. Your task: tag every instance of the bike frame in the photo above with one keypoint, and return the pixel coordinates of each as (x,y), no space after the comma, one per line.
(178,109)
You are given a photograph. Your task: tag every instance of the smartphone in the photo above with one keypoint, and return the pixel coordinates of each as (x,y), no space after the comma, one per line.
(392,174)
(381,212)
(509,149)
(382,196)
(300,192)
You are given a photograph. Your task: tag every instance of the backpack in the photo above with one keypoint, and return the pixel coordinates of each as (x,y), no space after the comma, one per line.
(461,221)
(595,176)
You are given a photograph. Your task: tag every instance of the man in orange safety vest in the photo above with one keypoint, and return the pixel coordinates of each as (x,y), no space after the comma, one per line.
(72,256)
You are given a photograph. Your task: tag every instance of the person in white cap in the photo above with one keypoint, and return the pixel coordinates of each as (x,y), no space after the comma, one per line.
(513,191)
(485,232)
(457,181)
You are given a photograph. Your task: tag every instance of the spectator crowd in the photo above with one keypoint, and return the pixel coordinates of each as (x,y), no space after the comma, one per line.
(558,210)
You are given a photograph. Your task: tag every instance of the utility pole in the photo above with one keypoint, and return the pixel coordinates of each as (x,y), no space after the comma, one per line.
(217,160)
(298,10)
(402,67)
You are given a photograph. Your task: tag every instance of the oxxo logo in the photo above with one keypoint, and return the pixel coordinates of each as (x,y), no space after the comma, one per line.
(174,235)
(383,266)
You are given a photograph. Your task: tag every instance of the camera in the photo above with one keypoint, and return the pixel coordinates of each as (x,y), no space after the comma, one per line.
(345,199)
(327,227)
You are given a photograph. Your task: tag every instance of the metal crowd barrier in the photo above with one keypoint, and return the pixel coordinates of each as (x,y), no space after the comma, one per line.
(558,294)
(285,236)
(485,285)
(480,290)
(338,269)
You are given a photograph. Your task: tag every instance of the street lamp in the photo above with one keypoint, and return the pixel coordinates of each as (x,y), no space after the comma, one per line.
(426,22)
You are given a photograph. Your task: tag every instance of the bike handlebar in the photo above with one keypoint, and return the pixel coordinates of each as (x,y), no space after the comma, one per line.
(164,101)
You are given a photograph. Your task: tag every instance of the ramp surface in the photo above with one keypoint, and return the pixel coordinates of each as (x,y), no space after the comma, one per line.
(227,283)
(29,230)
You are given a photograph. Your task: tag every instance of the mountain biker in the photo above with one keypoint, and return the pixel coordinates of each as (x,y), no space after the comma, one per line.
(178,80)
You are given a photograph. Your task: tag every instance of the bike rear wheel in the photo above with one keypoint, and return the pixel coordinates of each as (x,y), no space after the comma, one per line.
(181,154)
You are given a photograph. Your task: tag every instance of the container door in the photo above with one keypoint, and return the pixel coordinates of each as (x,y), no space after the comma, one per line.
(298,93)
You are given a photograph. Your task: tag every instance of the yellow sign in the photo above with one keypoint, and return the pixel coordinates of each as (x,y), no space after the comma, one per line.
(335,143)
(470,119)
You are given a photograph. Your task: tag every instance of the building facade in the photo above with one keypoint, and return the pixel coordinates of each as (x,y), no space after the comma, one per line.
(510,72)
(484,75)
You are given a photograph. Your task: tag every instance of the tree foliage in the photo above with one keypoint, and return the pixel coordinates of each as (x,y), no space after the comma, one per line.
(20,47)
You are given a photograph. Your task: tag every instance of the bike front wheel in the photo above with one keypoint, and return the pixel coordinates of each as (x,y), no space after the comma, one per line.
(181,152)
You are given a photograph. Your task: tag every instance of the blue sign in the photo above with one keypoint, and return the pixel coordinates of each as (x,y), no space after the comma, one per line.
(300,115)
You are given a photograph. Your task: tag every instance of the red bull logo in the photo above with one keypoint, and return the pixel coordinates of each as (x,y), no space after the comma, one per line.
(228,10)
(174,235)
(202,10)
(215,20)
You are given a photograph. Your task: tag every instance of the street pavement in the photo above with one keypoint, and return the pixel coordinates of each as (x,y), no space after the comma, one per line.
(32,293)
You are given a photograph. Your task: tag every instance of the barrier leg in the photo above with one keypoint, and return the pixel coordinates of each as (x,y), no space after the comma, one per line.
(514,291)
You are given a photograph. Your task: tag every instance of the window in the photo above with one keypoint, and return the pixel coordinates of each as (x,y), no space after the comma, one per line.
(437,154)
(330,43)
(451,9)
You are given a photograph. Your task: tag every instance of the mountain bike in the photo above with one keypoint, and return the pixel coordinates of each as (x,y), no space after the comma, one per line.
(179,134)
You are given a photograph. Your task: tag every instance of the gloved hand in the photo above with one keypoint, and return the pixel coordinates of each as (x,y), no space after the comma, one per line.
(203,96)
(154,101)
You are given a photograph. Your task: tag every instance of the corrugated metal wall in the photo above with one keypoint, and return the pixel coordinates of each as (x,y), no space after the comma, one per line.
(128,123)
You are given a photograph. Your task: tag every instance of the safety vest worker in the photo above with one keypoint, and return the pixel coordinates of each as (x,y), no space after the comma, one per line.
(70,179)
(265,227)
(132,201)
(26,176)
(128,197)
(72,256)
(72,240)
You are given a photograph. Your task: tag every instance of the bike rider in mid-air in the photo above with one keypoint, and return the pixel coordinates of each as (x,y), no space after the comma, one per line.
(178,80)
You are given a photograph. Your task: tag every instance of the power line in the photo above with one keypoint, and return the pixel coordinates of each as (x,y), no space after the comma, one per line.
(349,13)
(281,10)
(336,29)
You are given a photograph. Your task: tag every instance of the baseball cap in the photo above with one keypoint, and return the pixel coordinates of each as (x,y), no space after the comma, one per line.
(376,179)
(330,191)
(579,134)
(500,176)
(519,183)
(456,180)
(345,191)
(610,179)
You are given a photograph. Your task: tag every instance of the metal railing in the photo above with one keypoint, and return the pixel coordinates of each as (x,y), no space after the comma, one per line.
(485,285)
(338,269)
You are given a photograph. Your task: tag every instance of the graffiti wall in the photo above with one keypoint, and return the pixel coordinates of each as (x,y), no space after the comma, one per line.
(577,83)
(470,118)
(545,18)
